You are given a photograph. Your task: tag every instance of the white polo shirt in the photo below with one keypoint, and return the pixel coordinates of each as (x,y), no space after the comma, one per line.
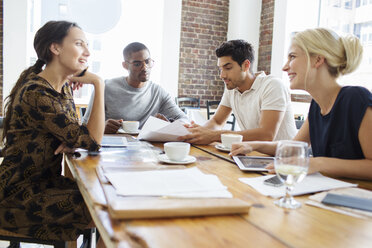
(266,93)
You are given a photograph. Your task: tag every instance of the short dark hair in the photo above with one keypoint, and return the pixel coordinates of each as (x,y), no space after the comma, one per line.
(132,48)
(239,50)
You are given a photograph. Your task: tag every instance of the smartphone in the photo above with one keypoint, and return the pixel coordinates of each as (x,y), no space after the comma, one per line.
(82,73)
(273,181)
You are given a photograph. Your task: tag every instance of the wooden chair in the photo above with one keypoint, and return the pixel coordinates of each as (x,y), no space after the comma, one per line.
(15,240)
(211,106)
(299,123)
(188,102)
(299,120)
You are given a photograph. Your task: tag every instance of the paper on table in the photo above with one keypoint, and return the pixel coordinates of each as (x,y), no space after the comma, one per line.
(174,183)
(156,129)
(312,183)
(315,200)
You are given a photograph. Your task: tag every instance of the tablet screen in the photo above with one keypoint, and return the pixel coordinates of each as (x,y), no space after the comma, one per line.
(249,163)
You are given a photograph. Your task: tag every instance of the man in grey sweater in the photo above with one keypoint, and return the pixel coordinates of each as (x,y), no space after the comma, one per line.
(134,98)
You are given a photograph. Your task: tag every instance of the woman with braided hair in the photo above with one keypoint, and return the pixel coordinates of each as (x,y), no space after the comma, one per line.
(40,124)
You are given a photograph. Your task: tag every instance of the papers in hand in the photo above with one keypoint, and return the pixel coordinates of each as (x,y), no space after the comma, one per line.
(183,183)
(312,183)
(156,129)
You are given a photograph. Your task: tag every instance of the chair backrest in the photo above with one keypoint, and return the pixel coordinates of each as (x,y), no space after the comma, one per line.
(299,123)
(187,102)
(299,119)
(15,239)
(211,110)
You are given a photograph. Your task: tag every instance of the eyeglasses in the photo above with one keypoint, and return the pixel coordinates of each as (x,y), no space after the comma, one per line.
(137,63)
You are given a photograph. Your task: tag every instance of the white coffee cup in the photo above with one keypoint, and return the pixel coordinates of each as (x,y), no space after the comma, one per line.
(177,151)
(130,126)
(228,138)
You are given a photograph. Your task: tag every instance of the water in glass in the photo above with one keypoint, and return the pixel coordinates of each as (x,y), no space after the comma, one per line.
(291,165)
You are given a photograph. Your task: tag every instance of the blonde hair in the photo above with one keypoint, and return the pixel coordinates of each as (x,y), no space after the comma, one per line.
(343,54)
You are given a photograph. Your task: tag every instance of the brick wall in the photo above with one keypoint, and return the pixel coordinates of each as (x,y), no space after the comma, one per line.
(1,57)
(203,28)
(266,36)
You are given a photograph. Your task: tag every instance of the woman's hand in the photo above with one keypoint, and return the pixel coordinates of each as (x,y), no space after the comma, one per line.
(271,169)
(77,80)
(241,148)
(63,148)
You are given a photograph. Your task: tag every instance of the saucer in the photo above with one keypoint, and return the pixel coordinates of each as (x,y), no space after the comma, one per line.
(222,148)
(124,132)
(188,160)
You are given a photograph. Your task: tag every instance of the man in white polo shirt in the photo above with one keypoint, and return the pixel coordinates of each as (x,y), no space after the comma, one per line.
(260,103)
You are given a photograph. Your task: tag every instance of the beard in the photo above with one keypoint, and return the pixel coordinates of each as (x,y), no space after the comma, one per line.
(144,76)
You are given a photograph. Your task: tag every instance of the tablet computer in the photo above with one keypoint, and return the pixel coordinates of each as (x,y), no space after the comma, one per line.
(249,163)
(112,141)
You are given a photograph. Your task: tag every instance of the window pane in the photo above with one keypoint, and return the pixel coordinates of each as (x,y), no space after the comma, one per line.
(361,21)
(353,20)
(341,16)
(107,35)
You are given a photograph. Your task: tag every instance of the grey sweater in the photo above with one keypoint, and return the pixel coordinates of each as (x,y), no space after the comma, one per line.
(122,101)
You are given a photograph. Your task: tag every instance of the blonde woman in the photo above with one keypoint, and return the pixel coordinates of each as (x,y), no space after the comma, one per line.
(339,124)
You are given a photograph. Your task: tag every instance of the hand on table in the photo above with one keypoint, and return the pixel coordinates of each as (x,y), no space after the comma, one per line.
(240,148)
(112,126)
(271,169)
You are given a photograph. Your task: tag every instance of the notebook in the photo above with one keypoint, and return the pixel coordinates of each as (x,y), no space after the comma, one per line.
(348,201)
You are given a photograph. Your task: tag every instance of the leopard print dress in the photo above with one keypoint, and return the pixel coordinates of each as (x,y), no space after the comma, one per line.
(35,200)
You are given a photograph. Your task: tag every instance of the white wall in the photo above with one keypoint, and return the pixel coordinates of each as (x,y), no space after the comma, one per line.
(14,42)
(164,44)
(171,45)
(244,23)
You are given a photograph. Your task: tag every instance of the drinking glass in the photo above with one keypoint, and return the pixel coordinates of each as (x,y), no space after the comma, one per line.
(291,165)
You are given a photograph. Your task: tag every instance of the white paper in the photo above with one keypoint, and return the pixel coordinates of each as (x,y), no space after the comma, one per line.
(312,183)
(190,183)
(156,129)
(196,116)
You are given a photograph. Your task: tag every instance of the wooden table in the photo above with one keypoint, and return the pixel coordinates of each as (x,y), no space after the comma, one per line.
(266,225)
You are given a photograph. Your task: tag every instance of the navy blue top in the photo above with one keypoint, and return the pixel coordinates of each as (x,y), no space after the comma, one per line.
(336,133)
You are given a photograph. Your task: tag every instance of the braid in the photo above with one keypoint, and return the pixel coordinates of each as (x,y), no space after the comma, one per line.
(36,68)
(51,32)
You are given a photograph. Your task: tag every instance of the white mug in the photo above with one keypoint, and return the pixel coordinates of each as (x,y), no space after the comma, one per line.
(130,126)
(228,138)
(177,151)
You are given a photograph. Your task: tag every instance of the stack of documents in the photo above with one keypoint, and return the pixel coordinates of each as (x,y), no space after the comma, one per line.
(316,200)
(182,183)
(312,183)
